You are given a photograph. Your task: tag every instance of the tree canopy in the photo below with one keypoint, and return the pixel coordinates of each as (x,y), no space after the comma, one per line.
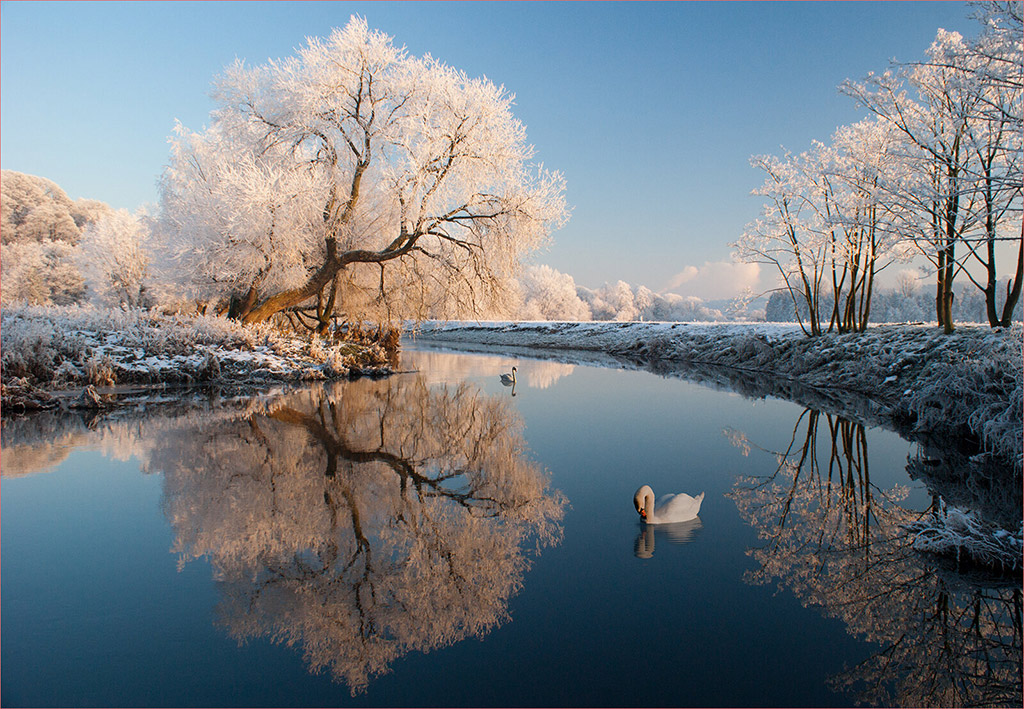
(353,156)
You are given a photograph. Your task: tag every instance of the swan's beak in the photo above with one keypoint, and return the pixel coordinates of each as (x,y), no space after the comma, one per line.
(643,514)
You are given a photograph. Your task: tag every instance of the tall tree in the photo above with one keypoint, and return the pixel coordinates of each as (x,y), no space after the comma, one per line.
(793,234)
(995,61)
(961,153)
(115,259)
(406,159)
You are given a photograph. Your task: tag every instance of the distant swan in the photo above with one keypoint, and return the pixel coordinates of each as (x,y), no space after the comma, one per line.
(671,507)
(509,379)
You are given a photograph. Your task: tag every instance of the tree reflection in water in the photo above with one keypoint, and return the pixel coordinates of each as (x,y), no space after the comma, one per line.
(837,541)
(361,521)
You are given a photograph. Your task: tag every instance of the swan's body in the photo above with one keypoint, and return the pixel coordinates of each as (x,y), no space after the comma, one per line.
(670,508)
(509,379)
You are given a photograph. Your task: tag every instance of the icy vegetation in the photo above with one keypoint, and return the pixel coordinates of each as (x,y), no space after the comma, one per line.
(49,354)
(958,532)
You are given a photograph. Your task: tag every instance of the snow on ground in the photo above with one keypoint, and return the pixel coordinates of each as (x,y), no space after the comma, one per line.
(45,349)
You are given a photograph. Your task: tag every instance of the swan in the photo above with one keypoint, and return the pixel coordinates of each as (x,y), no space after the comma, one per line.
(509,379)
(671,507)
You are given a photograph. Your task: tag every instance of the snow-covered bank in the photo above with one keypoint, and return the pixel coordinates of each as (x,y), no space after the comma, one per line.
(48,355)
(968,383)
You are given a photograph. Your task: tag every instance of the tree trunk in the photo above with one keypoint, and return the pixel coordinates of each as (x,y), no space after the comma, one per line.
(1013,288)
(239,308)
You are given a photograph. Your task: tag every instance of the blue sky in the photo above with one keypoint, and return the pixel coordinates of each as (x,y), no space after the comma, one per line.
(651,110)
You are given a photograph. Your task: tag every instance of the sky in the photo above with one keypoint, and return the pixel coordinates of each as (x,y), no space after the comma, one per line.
(650,110)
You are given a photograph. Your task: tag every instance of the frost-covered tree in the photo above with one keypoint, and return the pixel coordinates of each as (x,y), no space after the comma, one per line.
(671,307)
(406,160)
(793,233)
(550,295)
(861,239)
(40,227)
(35,209)
(40,273)
(236,217)
(620,301)
(612,301)
(824,227)
(114,258)
(995,62)
(960,154)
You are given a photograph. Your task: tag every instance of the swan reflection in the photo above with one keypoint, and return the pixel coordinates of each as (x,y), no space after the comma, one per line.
(673,532)
(839,542)
(361,521)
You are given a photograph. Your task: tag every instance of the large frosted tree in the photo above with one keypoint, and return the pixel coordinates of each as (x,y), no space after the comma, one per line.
(352,154)
(955,115)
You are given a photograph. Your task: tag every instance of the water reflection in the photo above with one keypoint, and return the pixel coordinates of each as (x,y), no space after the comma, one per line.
(443,367)
(674,533)
(360,521)
(838,542)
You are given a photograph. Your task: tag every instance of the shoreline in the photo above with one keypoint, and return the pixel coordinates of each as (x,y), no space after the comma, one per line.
(90,358)
(918,381)
(911,378)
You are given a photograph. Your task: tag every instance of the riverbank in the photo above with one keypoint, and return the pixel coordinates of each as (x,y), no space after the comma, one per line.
(915,379)
(81,357)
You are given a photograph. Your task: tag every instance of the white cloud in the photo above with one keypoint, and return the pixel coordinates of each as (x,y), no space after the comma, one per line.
(715,280)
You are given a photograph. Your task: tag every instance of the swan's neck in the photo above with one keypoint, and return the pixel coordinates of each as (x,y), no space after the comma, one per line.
(648,506)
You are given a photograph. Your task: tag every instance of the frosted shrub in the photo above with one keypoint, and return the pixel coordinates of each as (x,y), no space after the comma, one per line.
(316,350)
(55,347)
(100,371)
(961,533)
(975,391)
(335,363)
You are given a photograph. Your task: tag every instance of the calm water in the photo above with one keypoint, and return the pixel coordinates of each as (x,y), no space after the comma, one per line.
(438,538)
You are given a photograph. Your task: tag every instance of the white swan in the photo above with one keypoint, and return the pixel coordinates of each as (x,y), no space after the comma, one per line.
(509,379)
(671,507)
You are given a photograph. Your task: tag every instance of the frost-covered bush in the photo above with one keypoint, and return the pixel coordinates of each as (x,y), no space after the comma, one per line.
(963,534)
(53,347)
(987,393)
(47,343)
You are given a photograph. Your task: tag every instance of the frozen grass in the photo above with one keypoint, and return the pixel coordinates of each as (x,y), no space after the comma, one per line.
(53,348)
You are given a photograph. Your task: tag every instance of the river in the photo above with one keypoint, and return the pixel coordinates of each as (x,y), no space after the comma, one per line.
(438,538)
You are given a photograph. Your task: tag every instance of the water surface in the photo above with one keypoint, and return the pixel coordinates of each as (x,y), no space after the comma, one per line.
(439,539)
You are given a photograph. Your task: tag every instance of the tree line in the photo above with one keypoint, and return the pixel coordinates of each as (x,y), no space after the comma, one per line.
(934,171)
